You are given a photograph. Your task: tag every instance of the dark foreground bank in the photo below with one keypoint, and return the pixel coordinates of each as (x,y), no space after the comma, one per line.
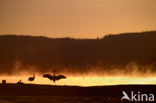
(49,90)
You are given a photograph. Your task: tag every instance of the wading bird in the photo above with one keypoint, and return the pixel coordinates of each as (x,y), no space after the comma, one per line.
(54,78)
(31,78)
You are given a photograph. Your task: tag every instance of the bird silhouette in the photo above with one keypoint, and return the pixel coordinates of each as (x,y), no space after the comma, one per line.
(54,78)
(31,78)
(20,82)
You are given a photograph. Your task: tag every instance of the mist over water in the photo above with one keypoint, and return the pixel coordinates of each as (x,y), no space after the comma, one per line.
(113,59)
(131,69)
(84,80)
(95,76)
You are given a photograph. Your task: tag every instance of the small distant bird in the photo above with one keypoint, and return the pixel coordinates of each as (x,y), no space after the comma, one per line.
(20,82)
(54,78)
(31,78)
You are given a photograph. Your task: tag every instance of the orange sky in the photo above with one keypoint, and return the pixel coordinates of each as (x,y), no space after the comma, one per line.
(76,18)
(84,81)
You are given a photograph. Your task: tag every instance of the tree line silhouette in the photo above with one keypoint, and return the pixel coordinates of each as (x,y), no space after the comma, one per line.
(76,54)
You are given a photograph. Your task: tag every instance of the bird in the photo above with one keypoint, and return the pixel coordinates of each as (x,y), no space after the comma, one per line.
(31,78)
(20,82)
(54,78)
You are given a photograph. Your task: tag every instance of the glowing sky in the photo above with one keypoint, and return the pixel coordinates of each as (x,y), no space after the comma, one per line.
(85,81)
(76,18)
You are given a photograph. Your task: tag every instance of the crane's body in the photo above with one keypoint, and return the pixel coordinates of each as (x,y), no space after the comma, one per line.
(31,78)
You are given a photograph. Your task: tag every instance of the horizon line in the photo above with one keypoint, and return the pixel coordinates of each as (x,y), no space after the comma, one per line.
(68,37)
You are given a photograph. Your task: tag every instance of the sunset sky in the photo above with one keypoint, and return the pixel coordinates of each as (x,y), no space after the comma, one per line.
(76,18)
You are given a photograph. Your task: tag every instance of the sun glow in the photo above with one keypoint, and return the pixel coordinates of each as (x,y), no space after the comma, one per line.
(84,80)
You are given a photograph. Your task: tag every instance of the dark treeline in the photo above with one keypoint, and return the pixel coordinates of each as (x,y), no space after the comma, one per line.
(47,53)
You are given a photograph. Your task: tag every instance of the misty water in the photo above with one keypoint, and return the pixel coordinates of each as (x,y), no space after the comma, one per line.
(83,80)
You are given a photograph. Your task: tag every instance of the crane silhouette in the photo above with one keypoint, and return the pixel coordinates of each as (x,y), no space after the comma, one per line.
(54,78)
(31,78)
